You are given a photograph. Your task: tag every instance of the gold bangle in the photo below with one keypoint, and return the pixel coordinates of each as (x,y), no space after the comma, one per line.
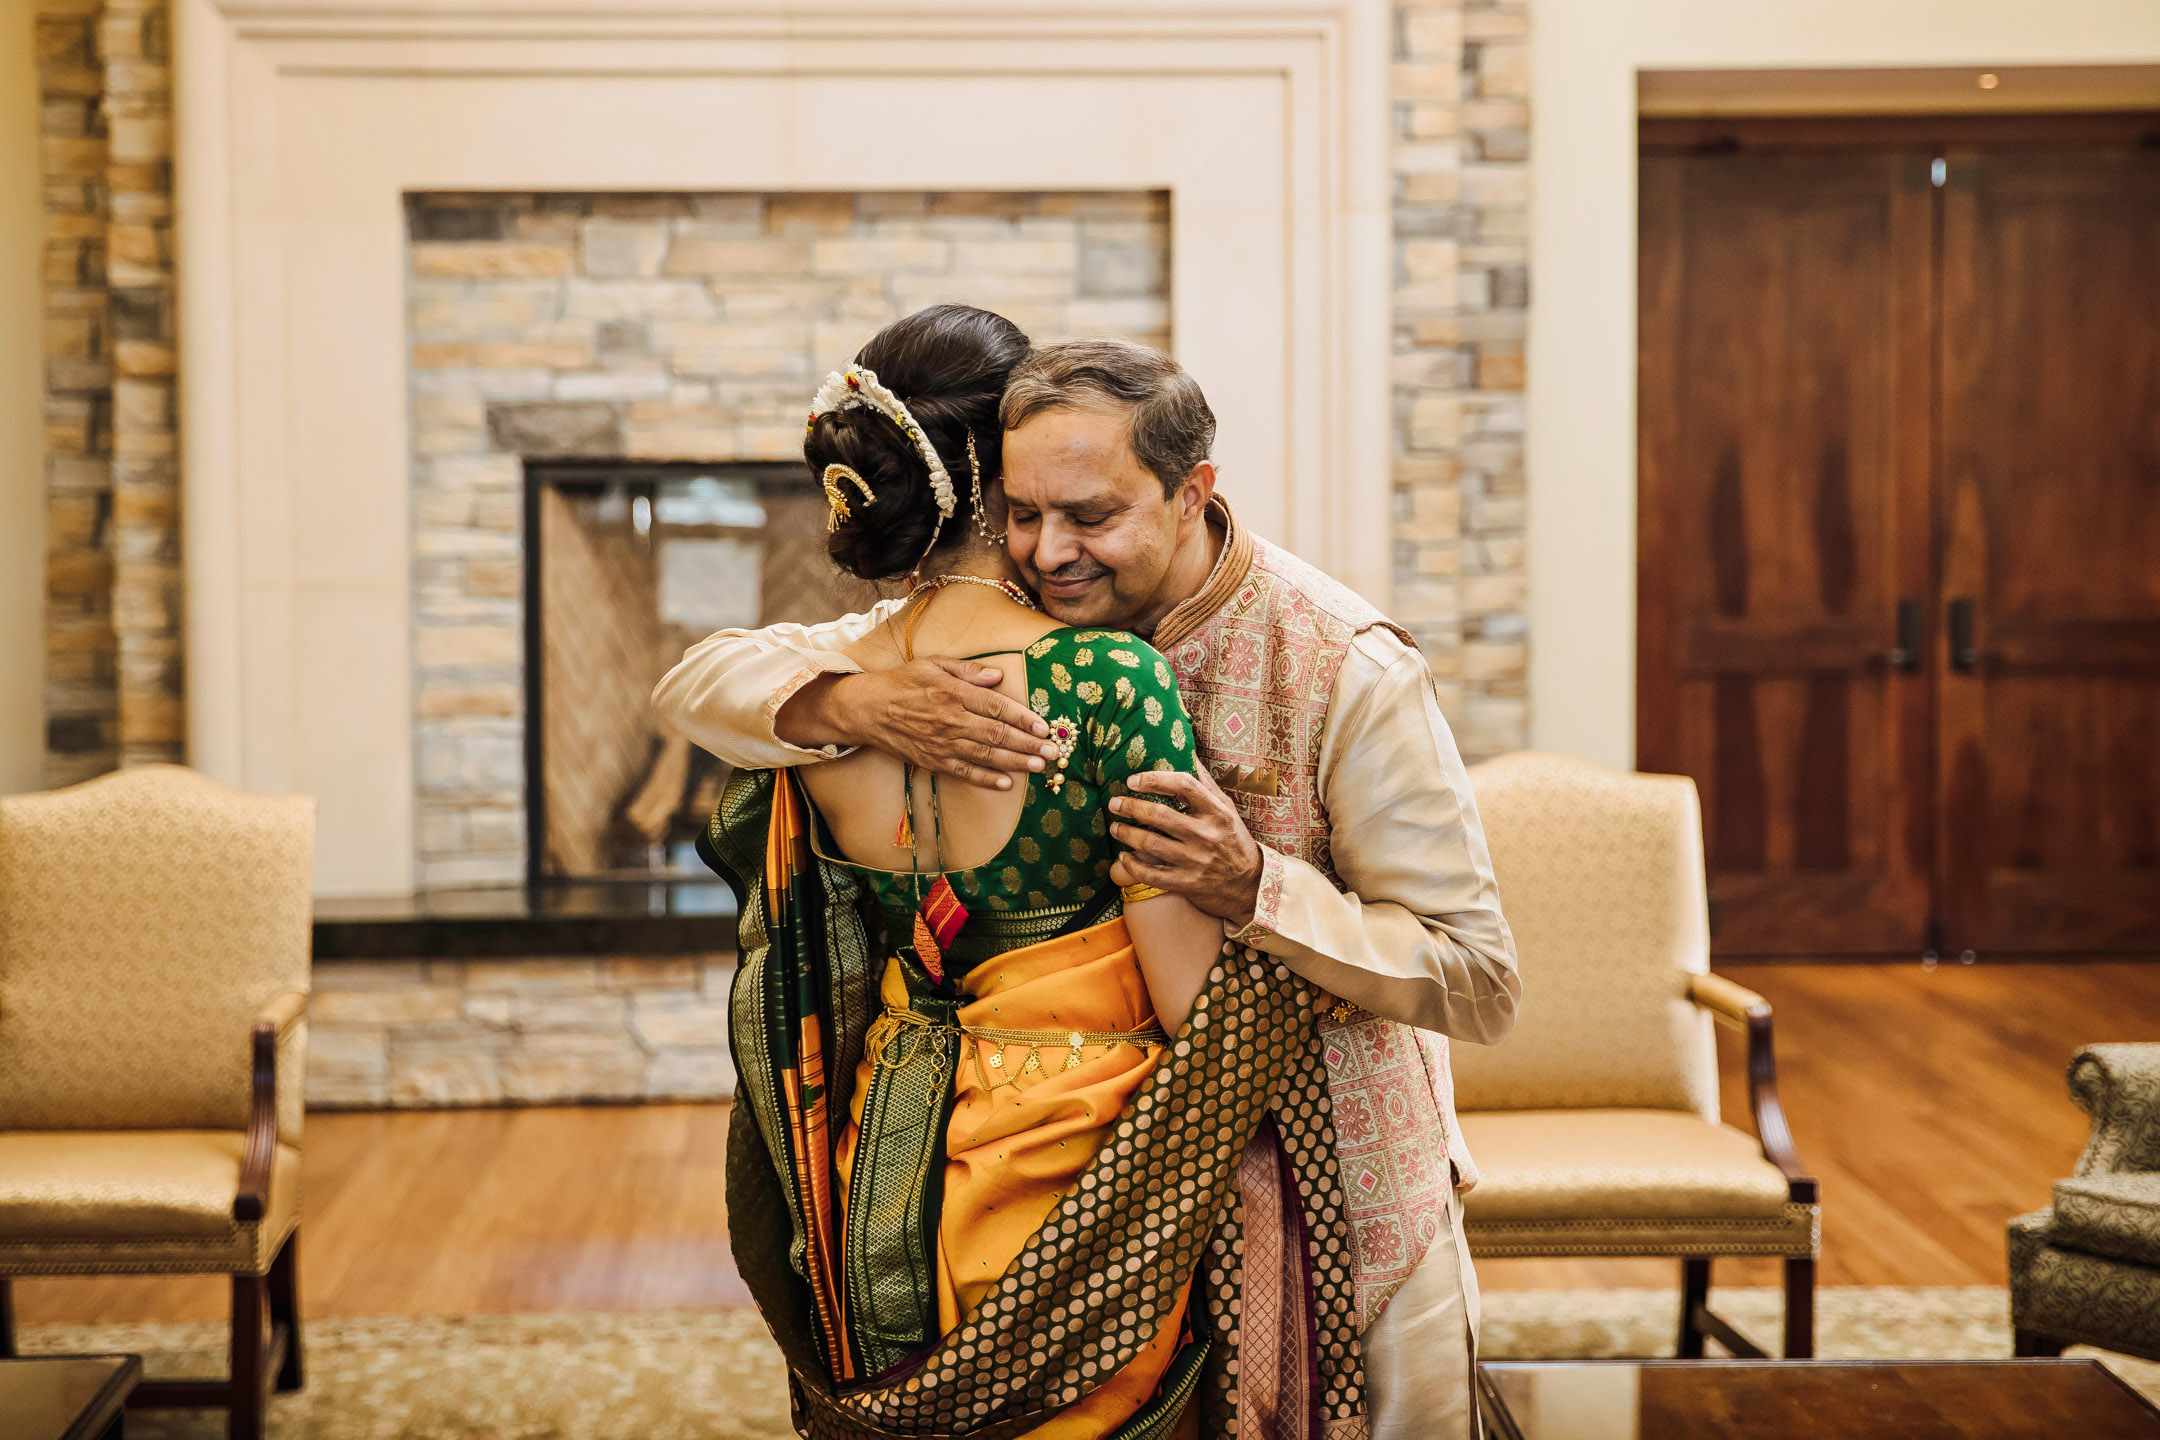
(1134,894)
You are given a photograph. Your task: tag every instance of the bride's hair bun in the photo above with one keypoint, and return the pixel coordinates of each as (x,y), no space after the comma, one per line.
(948,364)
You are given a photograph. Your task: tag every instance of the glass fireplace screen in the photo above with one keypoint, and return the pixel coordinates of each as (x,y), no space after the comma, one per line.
(627,565)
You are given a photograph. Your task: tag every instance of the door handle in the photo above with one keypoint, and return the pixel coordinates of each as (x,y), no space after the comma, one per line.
(1964,653)
(1905,649)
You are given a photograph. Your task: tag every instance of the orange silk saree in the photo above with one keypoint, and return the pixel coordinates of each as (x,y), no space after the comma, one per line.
(1028,1115)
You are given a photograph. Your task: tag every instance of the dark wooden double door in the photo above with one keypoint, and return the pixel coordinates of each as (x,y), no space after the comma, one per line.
(1899,528)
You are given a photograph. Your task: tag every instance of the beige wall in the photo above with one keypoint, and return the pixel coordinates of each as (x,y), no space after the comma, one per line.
(1582,336)
(22,516)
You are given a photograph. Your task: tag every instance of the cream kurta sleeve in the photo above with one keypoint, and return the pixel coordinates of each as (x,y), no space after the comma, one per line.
(1418,937)
(727,691)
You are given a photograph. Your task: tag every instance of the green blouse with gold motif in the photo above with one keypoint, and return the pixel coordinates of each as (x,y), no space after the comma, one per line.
(1112,703)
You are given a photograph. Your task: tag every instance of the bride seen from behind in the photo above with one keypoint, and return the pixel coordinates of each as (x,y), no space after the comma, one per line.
(1016,1002)
(967,601)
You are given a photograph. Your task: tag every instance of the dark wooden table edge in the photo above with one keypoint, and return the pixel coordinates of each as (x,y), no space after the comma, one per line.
(112,1396)
(1488,1395)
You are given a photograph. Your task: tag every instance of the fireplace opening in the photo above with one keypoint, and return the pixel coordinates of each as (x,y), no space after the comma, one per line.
(627,564)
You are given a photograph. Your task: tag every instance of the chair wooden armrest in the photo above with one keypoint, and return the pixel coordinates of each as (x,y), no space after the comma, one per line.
(272,1023)
(1743,1009)
(283,1011)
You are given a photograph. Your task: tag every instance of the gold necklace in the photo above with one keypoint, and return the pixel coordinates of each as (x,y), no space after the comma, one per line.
(929,587)
(939,582)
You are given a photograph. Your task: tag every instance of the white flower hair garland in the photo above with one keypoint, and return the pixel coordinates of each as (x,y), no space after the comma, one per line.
(859,386)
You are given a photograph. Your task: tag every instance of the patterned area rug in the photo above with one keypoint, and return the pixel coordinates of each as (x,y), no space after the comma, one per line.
(714,1375)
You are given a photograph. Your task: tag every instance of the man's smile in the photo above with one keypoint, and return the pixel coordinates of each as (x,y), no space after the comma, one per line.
(1072,581)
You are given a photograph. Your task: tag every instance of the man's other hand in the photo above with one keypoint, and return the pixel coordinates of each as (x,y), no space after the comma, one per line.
(1203,853)
(942,715)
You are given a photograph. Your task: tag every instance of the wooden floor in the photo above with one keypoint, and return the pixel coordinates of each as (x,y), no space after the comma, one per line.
(1930,1104)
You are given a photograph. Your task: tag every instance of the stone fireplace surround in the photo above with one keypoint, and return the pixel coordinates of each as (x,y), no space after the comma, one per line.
(668,328)
(302,126)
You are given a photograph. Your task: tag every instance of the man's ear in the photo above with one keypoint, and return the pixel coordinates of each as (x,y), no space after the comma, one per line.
(1198,489)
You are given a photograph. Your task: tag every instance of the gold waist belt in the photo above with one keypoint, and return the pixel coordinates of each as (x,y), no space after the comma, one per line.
(995,1072)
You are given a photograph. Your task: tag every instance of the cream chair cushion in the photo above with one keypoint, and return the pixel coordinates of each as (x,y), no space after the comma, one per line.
(135,1200)
(1621,1182)
(1601,875)
(145,918)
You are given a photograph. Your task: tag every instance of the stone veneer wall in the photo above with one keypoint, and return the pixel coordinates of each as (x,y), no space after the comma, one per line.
(670,327)
(418,1033)
(113,660)
(82,703)
(1461,95)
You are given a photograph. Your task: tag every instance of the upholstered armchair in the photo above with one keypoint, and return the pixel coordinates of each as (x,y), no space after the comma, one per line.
(154,937)
(1595,1125)
(2086,1271)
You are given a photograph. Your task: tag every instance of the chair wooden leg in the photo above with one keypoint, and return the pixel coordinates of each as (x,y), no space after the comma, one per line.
(2032,1345)
(1694,1294)
(7,1318)
(246,1387)
(1799,1309)
(285,1311)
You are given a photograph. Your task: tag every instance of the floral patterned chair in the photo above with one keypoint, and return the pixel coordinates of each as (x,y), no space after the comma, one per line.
(2086,1271)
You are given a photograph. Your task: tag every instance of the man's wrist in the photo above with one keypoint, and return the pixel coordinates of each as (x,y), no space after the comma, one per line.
(817,715)
(1248,892)
(1263,914)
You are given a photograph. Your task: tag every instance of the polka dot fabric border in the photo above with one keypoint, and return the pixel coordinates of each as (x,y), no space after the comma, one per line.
(1304,1121)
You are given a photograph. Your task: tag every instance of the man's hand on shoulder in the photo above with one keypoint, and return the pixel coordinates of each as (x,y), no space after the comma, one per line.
(1203,853)
(943,715)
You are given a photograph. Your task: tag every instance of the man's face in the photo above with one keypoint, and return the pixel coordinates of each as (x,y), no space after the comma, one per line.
(1088,524)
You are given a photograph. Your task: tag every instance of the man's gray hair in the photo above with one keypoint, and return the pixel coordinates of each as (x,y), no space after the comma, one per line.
(1173,429)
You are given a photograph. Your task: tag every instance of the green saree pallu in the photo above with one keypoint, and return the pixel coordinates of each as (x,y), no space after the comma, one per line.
(1092,1285)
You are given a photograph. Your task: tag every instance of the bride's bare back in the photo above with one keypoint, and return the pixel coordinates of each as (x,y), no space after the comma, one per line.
(859,796)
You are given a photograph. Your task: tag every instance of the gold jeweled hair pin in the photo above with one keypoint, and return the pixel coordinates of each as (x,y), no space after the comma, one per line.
(836,498)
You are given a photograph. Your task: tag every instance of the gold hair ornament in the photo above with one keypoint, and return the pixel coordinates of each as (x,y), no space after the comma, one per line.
(836,498)
(858,385)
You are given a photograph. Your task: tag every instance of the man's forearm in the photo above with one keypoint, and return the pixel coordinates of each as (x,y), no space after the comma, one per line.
(729,689)
(1419,936)
(789,696)
(814,717)
(1384,958)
